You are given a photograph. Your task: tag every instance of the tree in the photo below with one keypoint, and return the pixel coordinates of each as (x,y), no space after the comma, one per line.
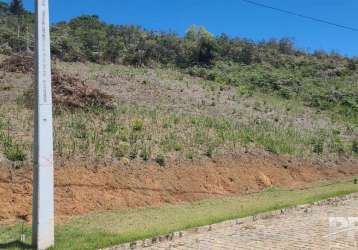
(247,54)
(16,7)
(207,47)
(352,64)
(192,33)
(201,45)
(286,46)
(4,8)
(115,48)
(91,32)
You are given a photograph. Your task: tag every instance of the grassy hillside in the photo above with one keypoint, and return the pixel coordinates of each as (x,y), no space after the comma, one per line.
(174,119)
(327,86)
(176,97)
(164,114)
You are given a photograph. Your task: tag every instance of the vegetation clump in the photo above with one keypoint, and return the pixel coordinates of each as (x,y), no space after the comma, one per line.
(12,150)
(160,159)
(355,146)
(138,125)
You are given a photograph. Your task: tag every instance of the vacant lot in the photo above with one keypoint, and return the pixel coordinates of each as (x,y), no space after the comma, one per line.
(154,136)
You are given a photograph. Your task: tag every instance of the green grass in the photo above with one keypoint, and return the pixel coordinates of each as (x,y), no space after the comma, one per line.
(99,230)
(334,95)
(12,150)
(140,133)
(262,120)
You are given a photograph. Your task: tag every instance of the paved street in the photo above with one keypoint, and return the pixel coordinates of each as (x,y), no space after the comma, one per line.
(295,230)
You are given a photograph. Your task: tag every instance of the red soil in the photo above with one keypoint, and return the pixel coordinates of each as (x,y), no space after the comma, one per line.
(83,188)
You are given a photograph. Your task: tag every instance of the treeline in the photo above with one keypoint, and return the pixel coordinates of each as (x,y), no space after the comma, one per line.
(16,28)
(87,38)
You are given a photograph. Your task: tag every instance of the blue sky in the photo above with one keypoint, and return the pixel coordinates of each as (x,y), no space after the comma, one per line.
(232,17)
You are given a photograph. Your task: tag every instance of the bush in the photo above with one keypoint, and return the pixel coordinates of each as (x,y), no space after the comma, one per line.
(318,145)
(190,155)
(146,152)
(160,159)
(13,152)
(122,150)
(285,93)
(133,153)
(138,125)
(355,146)
(210,151)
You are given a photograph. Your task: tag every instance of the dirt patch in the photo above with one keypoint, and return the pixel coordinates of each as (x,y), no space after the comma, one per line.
(82,188)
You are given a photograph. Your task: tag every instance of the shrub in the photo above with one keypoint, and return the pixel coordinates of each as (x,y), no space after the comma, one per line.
(318,146)
(355,146)
(190,155)
(160,159)
(210,150)
(338,146)
(138,125)
(112,127)
(146,152)
(285,93)
(178,147)
(271,148)
(121,150)
(13,151)
(133,152)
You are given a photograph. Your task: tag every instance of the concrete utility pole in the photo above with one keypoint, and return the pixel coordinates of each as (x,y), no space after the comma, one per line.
(43,184)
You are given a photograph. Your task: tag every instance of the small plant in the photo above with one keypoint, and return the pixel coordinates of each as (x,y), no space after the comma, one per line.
(355,146)
(146,152)
(337,145)
(285,93)
(133,153)
(180,77)
(271,147)
(190,155)
(121,150)
(160,159)
(12,151)
(137,125)
(210,150)
(79,128)
(318,145)
(178,147)
(112,127)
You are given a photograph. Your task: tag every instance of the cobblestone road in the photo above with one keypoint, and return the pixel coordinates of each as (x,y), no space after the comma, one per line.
(295,230)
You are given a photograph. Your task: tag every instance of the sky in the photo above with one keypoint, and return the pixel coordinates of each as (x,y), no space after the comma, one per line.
(233,17)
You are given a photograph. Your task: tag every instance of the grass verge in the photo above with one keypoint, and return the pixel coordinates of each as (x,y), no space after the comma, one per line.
(99,230)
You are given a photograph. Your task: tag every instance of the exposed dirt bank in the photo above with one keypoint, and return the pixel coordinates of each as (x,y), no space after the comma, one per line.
(82,188)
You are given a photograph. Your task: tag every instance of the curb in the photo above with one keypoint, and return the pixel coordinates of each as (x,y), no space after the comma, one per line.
(307,208)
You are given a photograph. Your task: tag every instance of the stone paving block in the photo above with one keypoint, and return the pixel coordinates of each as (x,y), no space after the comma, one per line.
(301,227)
